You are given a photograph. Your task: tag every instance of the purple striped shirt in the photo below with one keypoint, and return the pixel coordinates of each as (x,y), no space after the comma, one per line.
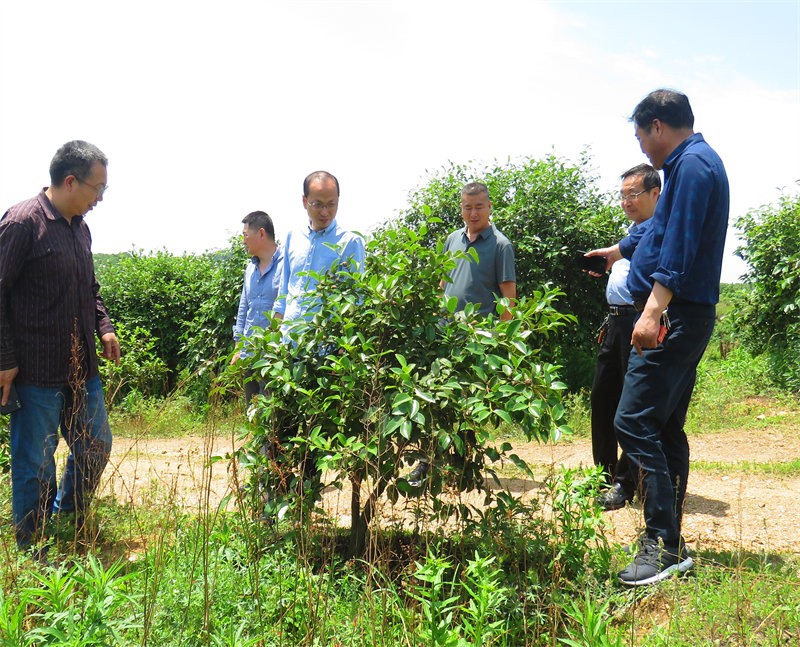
(50,302)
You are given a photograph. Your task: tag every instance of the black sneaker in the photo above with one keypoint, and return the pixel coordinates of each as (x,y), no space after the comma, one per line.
(654,563)
(418,474)
(614,498)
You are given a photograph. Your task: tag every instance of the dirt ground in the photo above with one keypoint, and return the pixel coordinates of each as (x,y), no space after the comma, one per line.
(723,511)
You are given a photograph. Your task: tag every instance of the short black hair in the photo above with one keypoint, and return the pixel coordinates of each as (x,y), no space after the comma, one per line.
(670,106)
(75,158)
(475,188)
(260,220)
(650,177)
(319,176)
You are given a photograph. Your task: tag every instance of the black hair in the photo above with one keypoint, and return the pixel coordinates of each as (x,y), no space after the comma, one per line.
(475,188)
(650,177)
(668,106)
(260,220)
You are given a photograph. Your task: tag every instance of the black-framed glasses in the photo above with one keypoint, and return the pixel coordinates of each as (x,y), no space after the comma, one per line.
(100,190)
(630,196)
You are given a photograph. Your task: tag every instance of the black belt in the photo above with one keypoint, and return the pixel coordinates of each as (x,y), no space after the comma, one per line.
(618,311)
(639,305)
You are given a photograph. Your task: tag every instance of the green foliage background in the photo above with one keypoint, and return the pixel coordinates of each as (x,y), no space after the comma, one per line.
(174,316)
(768,314)
(177,311)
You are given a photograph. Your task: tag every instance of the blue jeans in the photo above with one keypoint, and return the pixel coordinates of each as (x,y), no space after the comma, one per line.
(651,412)
(82,416)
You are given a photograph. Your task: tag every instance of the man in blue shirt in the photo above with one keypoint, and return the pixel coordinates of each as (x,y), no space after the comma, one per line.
(319,247)
(262,280)
(641,186)
(674,281)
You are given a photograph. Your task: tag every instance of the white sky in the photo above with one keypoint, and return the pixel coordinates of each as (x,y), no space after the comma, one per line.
(210,110)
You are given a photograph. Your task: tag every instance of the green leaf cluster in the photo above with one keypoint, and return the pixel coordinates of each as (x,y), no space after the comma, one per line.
(769,314)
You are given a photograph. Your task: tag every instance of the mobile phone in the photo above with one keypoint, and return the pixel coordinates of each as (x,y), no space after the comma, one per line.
(596,264)
(13,403)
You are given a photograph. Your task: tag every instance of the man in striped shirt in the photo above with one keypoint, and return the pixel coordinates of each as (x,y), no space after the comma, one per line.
(50,310)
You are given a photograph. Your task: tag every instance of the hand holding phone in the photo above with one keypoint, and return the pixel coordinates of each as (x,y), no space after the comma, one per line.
(596,264)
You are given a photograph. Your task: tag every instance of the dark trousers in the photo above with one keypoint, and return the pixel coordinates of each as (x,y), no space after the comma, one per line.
(609,376)
(651,412)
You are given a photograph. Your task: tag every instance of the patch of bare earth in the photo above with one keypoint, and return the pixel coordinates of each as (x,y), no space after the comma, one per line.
(728,510)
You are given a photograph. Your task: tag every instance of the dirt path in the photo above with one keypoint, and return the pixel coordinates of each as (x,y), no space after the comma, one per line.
(723,511)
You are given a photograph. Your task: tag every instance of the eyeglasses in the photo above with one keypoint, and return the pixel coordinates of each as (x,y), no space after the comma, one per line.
(100,190)
(631,196)
(316,205)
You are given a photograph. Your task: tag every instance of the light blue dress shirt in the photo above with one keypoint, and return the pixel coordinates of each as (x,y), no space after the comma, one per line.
(259,292)
(307,250)
(617,293)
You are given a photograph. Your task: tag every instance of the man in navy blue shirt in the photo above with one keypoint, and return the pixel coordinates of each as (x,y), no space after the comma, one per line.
(674,281)
(641,186)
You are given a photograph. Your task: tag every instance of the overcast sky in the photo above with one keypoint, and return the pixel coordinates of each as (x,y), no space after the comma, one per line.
(210,110)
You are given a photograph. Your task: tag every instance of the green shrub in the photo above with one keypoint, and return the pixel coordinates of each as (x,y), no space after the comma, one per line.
(140,372)
(388,373)
(179,311)
(770,316)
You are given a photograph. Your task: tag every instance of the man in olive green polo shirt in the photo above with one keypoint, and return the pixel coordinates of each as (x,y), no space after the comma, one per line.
(482,283)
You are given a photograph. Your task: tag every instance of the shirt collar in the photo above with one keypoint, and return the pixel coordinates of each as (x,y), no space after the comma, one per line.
(331,228)
(680,148)
(482,234)
(50,209)
(255,260)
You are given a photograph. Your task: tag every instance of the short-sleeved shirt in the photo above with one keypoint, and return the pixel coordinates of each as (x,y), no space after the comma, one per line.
(479,283)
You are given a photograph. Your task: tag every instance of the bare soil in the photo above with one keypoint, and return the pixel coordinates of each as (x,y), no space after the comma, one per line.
(725,510)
